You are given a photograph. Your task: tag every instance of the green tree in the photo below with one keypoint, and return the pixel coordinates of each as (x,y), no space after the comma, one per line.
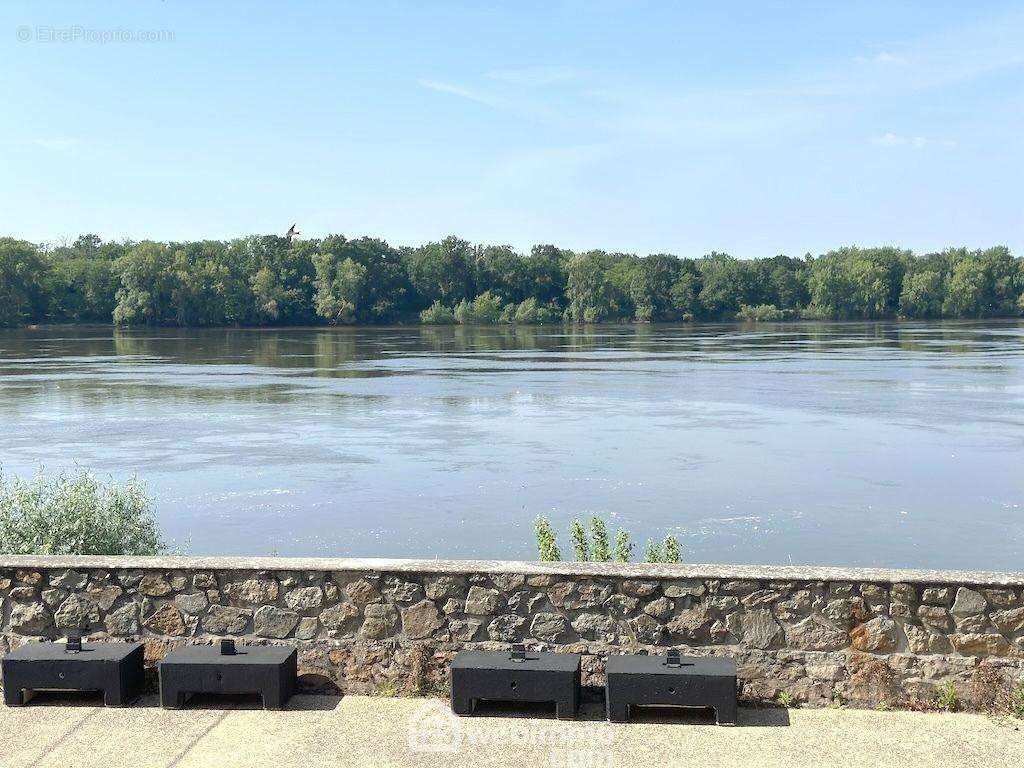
(546,269)
(144,296)
(82,280)
(786,279)
(339,285)
(502,272)
(686,290)
(22,297)
(968,287)
(591,294)
(199,281)
(442,271)
(855,283)
(383,291)
(279,275)
(985,283)
(922,294)
(726,284)
(651,281)
(269,280)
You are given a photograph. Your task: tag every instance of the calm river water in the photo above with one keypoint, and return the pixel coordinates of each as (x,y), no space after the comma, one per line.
(847,443)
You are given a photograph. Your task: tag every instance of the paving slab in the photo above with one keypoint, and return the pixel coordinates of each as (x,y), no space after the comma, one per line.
(363,731)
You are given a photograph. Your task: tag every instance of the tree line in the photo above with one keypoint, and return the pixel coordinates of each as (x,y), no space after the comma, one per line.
(269,280)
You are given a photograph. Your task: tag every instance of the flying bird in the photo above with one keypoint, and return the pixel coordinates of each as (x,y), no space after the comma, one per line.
(292,232)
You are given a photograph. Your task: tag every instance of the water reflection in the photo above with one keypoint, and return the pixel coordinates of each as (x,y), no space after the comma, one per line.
(859,443)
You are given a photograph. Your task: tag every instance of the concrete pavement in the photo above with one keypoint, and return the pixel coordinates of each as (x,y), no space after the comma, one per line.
(361,731)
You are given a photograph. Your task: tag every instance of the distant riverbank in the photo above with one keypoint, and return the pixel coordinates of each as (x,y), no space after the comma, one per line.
(276,282)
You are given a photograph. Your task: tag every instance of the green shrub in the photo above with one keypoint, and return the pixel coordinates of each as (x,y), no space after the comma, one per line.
(547,547)
(623,547)
(599,537)
(652,552)
(762,313)
(76,514)
(670,549)
(529,312)
(578,536)
(526,312)
(487,308)
(464,313)
(437,314)
(597,548)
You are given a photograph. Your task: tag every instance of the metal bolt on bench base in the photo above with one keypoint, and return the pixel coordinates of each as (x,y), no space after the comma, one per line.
(270,671)
(516,676)
(673,680)
(113,668)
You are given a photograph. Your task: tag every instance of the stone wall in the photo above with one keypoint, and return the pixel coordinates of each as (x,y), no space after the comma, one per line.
(824,635)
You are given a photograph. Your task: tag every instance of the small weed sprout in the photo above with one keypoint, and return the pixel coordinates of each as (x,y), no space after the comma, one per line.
(623,547)
(652,553)
(1015,704)
(947,698)
(670,549)
(597,548)
(547,547)
(599,539)
(578,537)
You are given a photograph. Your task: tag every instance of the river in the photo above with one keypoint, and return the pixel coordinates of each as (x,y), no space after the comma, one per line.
(878,444)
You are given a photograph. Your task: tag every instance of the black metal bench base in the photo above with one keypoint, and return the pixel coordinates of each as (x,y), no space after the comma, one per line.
(687,682)
(115,669)
(269,671)
(532,677)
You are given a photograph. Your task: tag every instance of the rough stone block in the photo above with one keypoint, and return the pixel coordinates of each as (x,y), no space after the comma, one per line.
(968,602)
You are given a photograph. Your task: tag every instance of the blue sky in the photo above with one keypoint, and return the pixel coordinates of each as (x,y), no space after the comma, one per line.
(755,128)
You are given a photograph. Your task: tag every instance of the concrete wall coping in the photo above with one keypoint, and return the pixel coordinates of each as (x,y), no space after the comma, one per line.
(568,569)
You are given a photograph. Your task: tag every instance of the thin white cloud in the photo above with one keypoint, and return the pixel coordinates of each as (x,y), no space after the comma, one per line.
(463,93)
(882,58)
(955,55)
(535,77)
(56,144)
(890,139)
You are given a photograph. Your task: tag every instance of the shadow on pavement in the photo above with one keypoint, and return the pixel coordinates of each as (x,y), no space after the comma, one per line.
(246,701)
(65,699)
(592,711)
(300,702)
